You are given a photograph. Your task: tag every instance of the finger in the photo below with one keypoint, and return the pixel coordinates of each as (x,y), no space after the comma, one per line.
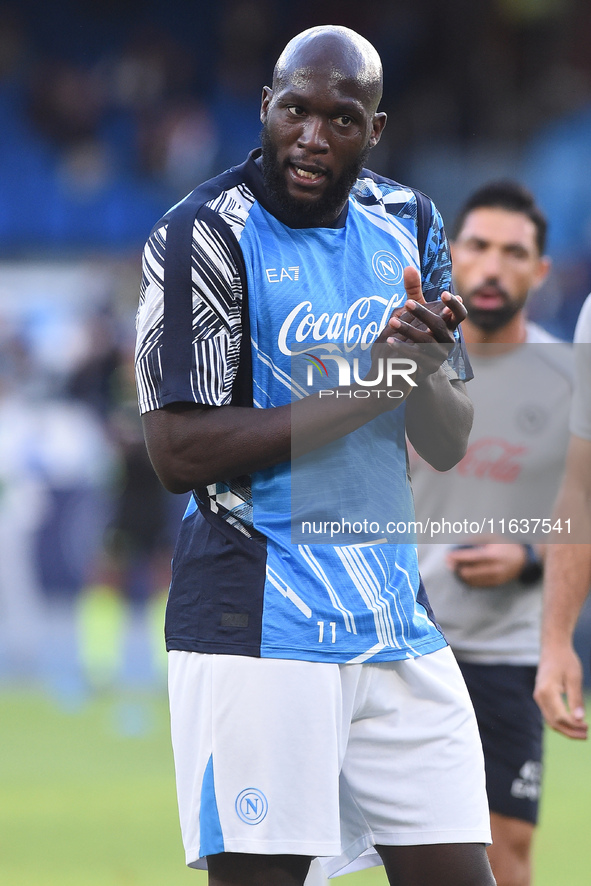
(570,726)
(469,568)
(433,321)
(405,317)
(419,334)
(412,284)
(436,307)
(549,700)
(455,305)
(549,697)
(574,698)
(478,577)
(470,554)
(398,312)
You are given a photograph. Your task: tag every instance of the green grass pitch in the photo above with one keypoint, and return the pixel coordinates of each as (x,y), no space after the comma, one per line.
(87,799)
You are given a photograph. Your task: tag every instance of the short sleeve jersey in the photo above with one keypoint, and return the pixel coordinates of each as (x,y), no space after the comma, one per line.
(511,471)
(239,584)
(580,419)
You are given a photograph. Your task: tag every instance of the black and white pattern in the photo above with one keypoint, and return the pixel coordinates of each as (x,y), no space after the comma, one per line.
(216,333)
(217,299)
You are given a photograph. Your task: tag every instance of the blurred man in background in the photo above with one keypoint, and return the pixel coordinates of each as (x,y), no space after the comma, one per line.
(485,589)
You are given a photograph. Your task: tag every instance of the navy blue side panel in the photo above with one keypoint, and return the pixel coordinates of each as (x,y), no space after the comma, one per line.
(423,222)
(423,599)
(178,302)
(216,594)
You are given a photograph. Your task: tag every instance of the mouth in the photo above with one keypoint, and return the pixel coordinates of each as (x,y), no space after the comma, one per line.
(306,176)
(488,298)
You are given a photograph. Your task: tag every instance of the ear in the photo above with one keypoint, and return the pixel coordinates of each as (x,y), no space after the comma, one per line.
(379,121)
(265,102)
(542,271)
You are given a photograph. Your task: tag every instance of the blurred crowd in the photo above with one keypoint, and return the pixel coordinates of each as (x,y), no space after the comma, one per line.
(111,111)
(86,530)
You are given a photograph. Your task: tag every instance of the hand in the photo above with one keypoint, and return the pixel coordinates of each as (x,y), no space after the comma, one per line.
(418,322)
(421,321)
(487,565)
(559,691)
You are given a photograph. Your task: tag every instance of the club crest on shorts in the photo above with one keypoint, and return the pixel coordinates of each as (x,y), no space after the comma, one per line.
(251,805)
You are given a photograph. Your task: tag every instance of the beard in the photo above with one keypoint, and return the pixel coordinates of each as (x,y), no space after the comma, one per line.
(307,213)
(491,319)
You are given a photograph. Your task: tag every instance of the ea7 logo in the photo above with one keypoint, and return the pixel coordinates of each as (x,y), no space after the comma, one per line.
(278,275)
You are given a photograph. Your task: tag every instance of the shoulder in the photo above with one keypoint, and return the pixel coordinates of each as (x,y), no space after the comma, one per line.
(405,208)
(399,200)
(223,202)
(538,335)
(583,328)
(194,251)
(558,359)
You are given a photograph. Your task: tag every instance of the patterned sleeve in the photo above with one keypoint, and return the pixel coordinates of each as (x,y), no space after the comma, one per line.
(436,263)
(436,278)
(188,344)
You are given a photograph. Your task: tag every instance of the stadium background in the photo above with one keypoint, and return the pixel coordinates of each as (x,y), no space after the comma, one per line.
(111,111)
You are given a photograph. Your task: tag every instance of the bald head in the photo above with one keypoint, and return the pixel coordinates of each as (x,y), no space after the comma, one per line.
(342,54)
(320,120)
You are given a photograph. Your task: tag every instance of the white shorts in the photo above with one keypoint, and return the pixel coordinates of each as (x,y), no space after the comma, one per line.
(310,758)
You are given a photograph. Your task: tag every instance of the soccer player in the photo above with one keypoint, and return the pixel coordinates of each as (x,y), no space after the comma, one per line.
(486,590)
(316,709)
(559,683)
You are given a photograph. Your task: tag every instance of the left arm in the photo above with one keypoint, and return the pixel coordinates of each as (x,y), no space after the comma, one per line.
(559,682)
(439,417)
(439,412)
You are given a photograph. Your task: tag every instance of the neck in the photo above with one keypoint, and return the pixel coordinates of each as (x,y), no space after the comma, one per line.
(506,338)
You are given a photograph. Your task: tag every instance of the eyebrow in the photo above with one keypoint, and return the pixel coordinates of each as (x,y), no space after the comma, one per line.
(342,105)
(512,244)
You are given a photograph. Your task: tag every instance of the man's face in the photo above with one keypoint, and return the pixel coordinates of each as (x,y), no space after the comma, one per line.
(317,132)
(495,265)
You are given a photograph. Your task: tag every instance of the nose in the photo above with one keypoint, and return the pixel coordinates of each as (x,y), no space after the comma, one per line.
(313,136)
(492,263)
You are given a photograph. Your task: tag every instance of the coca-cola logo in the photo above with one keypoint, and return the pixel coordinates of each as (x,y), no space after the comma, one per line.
(493,458)
(358,326)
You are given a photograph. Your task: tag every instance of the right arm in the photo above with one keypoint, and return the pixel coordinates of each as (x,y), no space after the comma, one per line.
(559,691)
(197,440)
(193,445)
(194,437)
